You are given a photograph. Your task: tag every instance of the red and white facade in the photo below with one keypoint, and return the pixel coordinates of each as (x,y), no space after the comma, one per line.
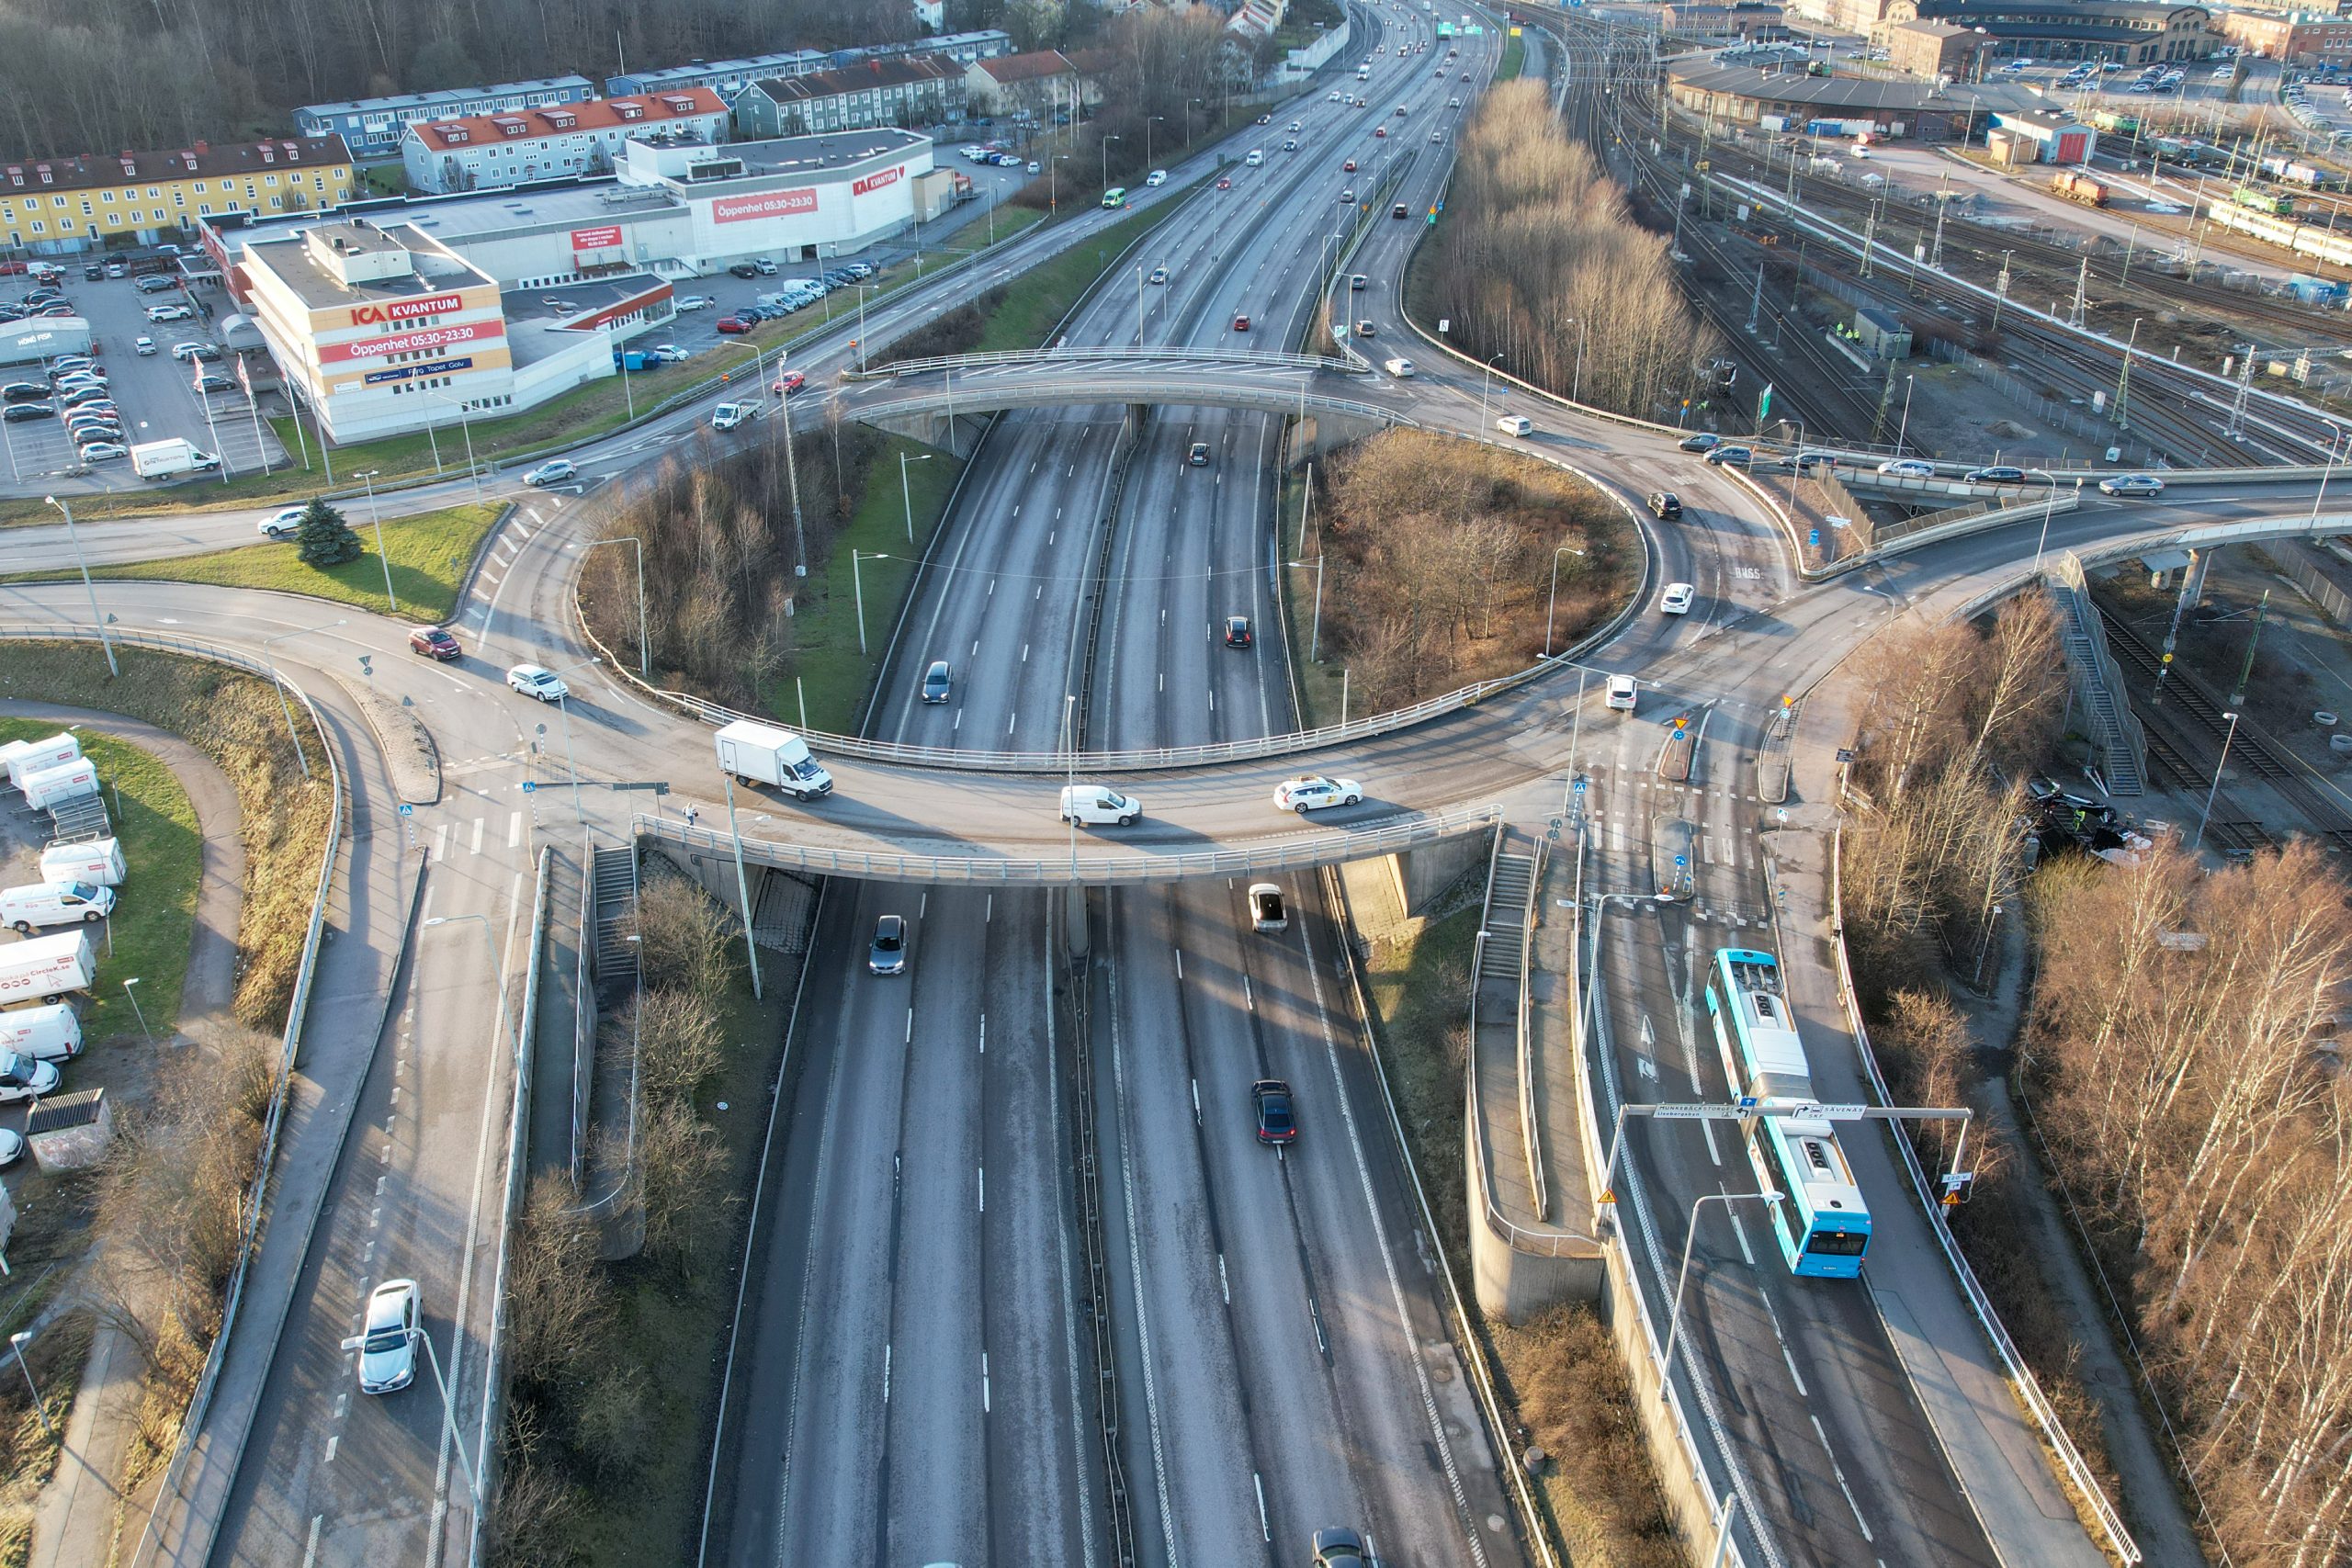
(785,199)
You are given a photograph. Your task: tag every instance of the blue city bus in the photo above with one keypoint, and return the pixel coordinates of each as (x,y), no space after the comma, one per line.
(1822,1223)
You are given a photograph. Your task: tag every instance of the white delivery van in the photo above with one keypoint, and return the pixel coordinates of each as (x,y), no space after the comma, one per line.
(761,753)
(1094,805)
(1255,158)
(67,780)
(22,757)
(46,968)
(50,1033)
(54,904)
(96,860)
(1515,424)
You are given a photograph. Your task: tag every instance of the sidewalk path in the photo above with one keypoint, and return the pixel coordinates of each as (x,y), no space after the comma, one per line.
(76,1516)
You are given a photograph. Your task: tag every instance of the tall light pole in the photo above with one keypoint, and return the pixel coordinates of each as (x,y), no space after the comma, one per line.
(2334,452)
(1315,635)
(1691,1234)
(1903,428)
(1148,124)
(136,1010)
(2203,817)
(368,478)
(1070,772)
(1106,160)
(464,423)
(17,1343)
(280,681)
(1487,386)
(1554,602)
(906,495)
(858,585)
(1584,331)
(2049,505)
(644,650)
(96,617)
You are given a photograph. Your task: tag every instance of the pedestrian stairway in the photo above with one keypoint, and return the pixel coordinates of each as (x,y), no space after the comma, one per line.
(2098,697)
(1509,884)
(614,871)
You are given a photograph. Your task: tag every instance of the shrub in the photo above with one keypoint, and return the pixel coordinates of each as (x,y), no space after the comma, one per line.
(324,538)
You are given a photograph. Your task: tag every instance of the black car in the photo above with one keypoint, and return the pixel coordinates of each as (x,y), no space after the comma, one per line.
(2001,474)
(93,271)
(938,682)
(889,954)
(39,297)
(1237,631)
(23,392)
(1665,504)
(1276,1124)
(1337,1548)
(21,414)
(86,395)
(1702,442)
(215,383)
(744,269)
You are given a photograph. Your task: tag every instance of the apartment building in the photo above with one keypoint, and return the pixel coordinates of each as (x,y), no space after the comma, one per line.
(373,127)
(51,205)
(567,140)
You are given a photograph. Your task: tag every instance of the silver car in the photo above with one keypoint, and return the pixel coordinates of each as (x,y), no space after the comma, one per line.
(388,1344)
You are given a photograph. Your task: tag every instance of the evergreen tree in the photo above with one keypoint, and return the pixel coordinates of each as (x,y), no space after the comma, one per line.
(324,538)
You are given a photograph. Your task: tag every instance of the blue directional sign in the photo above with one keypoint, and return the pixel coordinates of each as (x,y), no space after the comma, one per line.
(530,786)
(1681,861)
(1747,1102)
(1812,537)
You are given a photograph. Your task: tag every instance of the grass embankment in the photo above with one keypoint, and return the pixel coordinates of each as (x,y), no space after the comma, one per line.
(148,934)
(1514,58)
(1559,1374)
(28,1450)
(581,414)
(831,674)
(429,554)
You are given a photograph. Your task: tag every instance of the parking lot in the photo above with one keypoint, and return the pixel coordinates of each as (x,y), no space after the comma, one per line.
(155,394)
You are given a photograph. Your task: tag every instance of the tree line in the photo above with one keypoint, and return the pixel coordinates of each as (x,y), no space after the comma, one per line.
(1541,266)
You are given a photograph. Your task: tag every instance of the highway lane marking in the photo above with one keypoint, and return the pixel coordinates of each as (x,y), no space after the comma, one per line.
(311,1552)
(441,841)
(478,826)
(332,1441)
(1835,1469)
(514,828)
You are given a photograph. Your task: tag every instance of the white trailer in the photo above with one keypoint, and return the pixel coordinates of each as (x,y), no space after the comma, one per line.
(19,758)
(67,780)
(47,968)
(98,862)
(761,753)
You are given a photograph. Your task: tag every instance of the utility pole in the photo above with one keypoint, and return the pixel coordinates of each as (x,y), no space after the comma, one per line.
(1755,298)
(2001,292)
(2082,279)
(2123,381)
(2245,670)
(2130,244)
(1870,238)
(792,481)
(2237,428)
(1936,253)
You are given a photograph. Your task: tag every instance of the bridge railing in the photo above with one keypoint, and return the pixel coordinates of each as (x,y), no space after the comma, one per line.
(1287,853)
(1015,358)
(1271,397)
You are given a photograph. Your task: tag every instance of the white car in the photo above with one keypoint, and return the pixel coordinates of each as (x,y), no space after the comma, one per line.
(1676,600)
(283,523)
(142,346)
(1316,791)
(24,1077)
(1156,178)
(1907,468)
(103,451)
(170,313)
(388,1344)
(1621,692)
(554,472)
(538,681)
(692,302)
(670,353)
(1401,368)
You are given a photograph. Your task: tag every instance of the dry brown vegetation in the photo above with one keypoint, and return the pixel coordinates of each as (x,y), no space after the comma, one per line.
(1571,1390)
(1440,557)
(1539,258)
(719,553)
(581,1413)
(2190,1092)
(1161,92)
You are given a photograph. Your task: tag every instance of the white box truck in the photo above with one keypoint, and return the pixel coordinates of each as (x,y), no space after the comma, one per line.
(164,460)
(67,780)
(47,968)
(22,757)
(95,861)
(50,1033)
(761,753)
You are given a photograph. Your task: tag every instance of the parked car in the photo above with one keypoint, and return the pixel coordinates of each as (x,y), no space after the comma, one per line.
(170,313)
(388,1340)
(24,413)
(888,954)
(733,325)
(23,1077)
(538,681)
(433,642)
(1314,792)
(1666,505)
(24,392)
(103,451)
(1276,1122)
(213,382)
(692,302)
(155,282)
(744,269)
(554,472)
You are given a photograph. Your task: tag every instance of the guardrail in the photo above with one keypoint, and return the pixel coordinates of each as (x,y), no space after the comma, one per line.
(1530,1131)
(249,1221)
(1019,358)
(1055,392)
(584,1014)
(1271,854)
(2029,1388)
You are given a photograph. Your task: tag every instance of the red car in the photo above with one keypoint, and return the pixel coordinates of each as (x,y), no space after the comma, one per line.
(1226,184)
(434,643)
(790,382)
(1350,166)
(1380,131)
(1241,323)
(733,325)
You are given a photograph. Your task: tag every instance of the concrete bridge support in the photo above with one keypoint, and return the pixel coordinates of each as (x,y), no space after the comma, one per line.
(1419,877)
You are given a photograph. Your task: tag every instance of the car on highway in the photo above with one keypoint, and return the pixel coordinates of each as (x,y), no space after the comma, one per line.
(388,1342)
(1237,631)
(888,954)
(538,681)
(1621,692)
(1676,600)
(1337,1548)
(1358,280)
(1907,468)
(1367,329)
(1400,368)
(1315,792)
(1453,103)
(1094,805)
(433,642)
(24,1077)
(1241,323)
(1224,183)
(1156,178)
(554,472)
(1437,136)
(1730,456)
(1266,911)
(1277,1122)
(282,524)
(2131,484)
(2000,475)
(1665,505)
(789,382)
(1158,274)
(1349,167)
(1347,196)
(938,682)
(1198,456)
(1380,131)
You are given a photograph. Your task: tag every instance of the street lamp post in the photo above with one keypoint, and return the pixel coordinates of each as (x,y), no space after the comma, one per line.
(2203,817)
(137,1011)
(644,650)
(97,619)
(1314,634)
(1106,160)
(858,585)
(2334,452)
(17,1343)
(465,423)
(1070,772)
(1584,332)
(1486,387)
(1903,428)
(906,495)
(1682,1281)
(375,516)
(1554,602)
(280,681)
(1148,124)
